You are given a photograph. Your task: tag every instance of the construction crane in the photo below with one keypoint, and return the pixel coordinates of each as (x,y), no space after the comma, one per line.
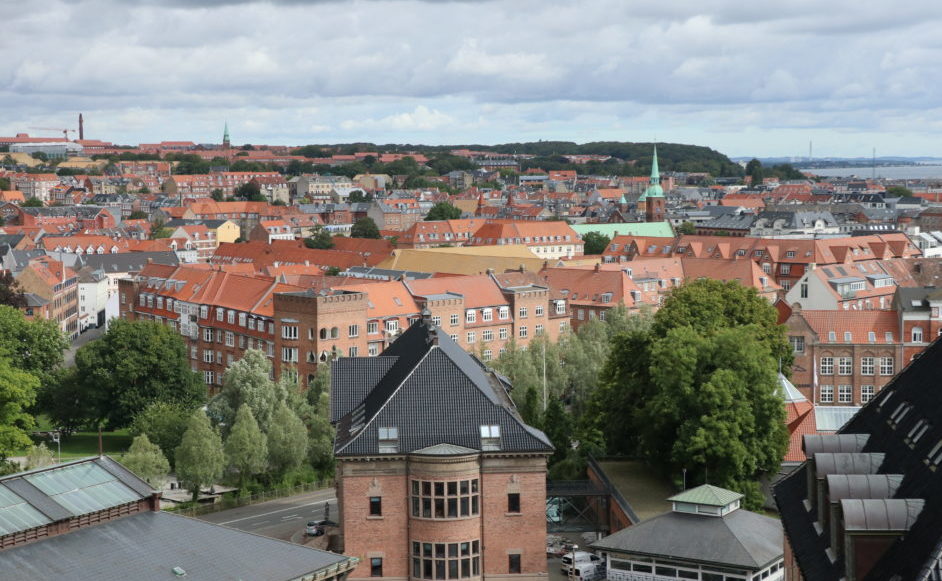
(65,132)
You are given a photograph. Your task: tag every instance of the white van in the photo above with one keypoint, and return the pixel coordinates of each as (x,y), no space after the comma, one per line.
(586,571)
(578,557)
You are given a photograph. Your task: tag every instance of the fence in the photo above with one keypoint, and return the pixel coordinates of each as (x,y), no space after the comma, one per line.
(228,501)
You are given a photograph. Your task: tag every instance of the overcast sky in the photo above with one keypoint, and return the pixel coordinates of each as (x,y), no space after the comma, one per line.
(743,77)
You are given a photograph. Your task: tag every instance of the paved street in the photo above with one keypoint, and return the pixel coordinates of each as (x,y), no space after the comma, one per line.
(90,335)
(283,518)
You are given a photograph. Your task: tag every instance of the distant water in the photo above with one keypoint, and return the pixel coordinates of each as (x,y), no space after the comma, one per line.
(893,172)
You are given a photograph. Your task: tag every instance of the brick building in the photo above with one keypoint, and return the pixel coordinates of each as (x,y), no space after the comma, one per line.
(57,286)
(221,314)
(429,489)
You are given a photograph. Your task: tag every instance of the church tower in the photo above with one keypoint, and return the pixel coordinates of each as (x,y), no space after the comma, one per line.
(652,200)
(225,137)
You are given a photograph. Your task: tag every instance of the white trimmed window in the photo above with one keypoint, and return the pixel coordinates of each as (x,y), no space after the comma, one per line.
(289,332)
(502,333)
(471,337)
(827,366)
(453,320)
(867,366)
(845,393)
(289,354)
(845,365)
(503,313)
(866,393)
(470,316)
(522,332)
(827,393)
(487,335)
(887,365)
(538,311)
(487,315)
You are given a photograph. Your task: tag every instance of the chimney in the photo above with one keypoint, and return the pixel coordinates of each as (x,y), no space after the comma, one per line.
(81,128)
(598,267)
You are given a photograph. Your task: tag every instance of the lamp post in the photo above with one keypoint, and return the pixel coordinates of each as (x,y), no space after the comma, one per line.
(572,564)
(56,437)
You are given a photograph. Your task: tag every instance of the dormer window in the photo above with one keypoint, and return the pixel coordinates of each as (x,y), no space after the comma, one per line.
(490,438)
(388,440)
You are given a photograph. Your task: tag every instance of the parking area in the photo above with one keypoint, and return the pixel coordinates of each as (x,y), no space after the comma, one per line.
(553,562)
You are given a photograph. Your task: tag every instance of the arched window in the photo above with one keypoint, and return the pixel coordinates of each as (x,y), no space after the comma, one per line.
(323,333)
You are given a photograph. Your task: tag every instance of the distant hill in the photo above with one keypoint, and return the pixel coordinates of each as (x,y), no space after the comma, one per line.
(630,158)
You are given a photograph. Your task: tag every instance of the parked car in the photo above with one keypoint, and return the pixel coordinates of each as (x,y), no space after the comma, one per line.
(314,529)
(586,570)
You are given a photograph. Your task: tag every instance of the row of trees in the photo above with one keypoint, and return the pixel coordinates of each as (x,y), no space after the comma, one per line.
(693,387)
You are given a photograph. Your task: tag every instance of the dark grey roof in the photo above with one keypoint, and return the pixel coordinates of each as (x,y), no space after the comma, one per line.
(124,475)
(211,224)
(916,298)
(128,261)
(351,378)
(37,499)
(383,273)
(731,222)
(147,546)
(82,211)
(738,539)
(434,393)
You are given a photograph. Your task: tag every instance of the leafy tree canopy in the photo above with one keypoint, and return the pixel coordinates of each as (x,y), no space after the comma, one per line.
(365,228)
(595,242)
(899,192)
(246,447)
(248,381)
(200,456)
(147,461)
(163,423)
(32,203)
(321,239)
(443,211)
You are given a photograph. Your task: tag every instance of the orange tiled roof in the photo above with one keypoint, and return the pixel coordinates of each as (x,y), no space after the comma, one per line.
(858,323)
(478,290)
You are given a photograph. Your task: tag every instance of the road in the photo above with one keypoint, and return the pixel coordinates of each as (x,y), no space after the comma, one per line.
(87,336)
(284,518)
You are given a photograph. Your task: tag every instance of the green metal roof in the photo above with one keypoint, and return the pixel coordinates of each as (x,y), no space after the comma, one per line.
(661,229)
(707,494)
(654,190)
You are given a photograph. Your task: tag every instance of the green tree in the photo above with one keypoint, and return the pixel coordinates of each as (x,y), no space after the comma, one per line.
(357,197)
(249,191)
(158,230)
(39,456)
(163,423)
(755,172)
(5,182)
(699,389)
(287,440)
(33,346)
(216,194)
(321,436)
(134,364)
(321,240)
(365,228)
(32,203)
(595,242)
(17,394)
(248,381)
(138,215)
(10,292)
(147,461)
(899,192)
(687,228)
(246,447)
(200,456)
(443,211)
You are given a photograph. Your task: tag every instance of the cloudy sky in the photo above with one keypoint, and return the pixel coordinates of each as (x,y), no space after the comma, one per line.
(757,77)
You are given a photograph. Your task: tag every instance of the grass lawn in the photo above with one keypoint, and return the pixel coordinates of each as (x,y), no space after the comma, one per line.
(84,444)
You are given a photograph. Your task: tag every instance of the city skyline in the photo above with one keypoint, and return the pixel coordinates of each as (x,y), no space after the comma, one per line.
(744,80)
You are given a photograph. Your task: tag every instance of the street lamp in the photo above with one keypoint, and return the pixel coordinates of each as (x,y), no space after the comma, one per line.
(57,439)
(572,564)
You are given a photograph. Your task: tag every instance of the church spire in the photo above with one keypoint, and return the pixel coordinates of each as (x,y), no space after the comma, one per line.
(225,136)
(655,172)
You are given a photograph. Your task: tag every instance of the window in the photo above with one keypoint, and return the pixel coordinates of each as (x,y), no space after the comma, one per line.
(866,365)
(376,506)
(899,413)
(437,321)
(373,349)
(523,313)
(470,316)
(453,320)
(886,365)
(376,567)
(917,334)
(487,335)
(832,336)
(848,337)
(230,339)
(160,302)
(242,318)
(289,354)
(513,502)
(204,311)
(845,365)
(785,269)
(353,331)
(916,432)
(845,393)
(392,325)
(866,393)
(289,332)
(219,313)
(798,343)
(803,290)
(827,366)
(827,394)
(487,355)
(453,499)
(230,317)
(538,311)
(251,324)
(208,335)
(888,336)
(471,337)
(502,333)
(353,351)
(522,332)
(388,440)
(446,560)
(372,328)
(503,313)
(209,377)
(560,307)
(487,314)
(513,563)
(193,352)
(580,314)
(539,328)
(871,337)
(490,438)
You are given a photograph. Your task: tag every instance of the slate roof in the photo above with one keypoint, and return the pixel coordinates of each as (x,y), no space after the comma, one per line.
(148,545)
(739,539)
(434,392)
(917,553)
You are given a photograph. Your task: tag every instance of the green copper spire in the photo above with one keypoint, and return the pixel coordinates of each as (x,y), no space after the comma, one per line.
(225,135)
(654,190)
